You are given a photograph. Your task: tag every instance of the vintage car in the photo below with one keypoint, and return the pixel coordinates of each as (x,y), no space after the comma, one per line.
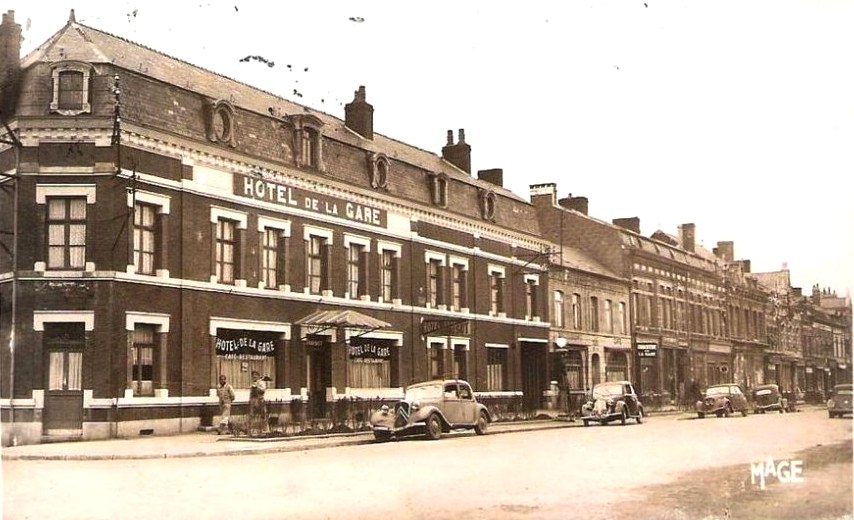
(722,400)
(431,408)
(767,398)
(839,403)
(611,401)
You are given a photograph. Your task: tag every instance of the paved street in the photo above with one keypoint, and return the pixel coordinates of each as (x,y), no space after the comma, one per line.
(669,467)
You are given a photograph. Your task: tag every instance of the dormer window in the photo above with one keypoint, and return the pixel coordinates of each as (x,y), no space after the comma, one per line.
(308,141)
(220,123)
(487,205)
(439,189)
(379,166)
(71,88)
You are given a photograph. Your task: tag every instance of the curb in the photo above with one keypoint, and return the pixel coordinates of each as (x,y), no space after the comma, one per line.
(321,442)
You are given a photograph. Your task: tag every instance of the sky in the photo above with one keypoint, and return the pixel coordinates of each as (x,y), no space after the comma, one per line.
(737,116)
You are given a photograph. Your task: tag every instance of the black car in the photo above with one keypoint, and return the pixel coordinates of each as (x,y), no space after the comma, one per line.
(840,403)
(615,400)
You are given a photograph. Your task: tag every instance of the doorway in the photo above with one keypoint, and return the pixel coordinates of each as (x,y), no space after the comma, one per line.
(534,372)
(63,369)
(319,364)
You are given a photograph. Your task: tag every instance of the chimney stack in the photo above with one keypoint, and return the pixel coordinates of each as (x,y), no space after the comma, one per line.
(494,176)
(630,223)
(10,51)
(359,115)
(686,237)
(543,193)
(458,154)
(725,251)
(578,204)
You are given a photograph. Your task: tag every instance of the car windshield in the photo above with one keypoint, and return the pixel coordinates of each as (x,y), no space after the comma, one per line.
(718,390)
(424,391)
(609,390)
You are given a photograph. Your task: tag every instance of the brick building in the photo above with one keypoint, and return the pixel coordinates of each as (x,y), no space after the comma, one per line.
(166,224)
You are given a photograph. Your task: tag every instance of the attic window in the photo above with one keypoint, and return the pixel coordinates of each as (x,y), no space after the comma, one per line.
(308,141)
(379,172)
(221,123)
(439,189)
(487,205)
(71,89)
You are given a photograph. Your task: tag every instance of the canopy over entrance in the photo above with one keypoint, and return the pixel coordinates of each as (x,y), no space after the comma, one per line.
(342,318)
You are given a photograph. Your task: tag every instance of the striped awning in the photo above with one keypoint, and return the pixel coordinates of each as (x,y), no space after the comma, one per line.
(343,318)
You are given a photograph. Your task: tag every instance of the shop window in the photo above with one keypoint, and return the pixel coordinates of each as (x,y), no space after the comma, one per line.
(616,366)
(71,89)
(66,230)
(240,352)
(496,369)
(142,359)
(371,363)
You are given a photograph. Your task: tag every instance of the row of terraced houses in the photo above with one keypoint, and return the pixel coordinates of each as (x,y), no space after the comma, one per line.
(161,224)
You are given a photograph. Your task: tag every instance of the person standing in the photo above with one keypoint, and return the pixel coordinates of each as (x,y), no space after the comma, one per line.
(257,411)
(225,392)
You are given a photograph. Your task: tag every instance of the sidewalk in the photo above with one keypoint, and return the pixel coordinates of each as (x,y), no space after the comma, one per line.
(209,444)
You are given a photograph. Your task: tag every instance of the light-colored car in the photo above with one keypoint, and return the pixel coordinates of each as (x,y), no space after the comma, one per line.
(611,401)
(432,408)
(722,400)
(839,403)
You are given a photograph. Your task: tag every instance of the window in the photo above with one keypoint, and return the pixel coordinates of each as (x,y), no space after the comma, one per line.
(317,263)
(557,319)
(355,281)
(71,89)
(142,359)
(531,309)
(621,318)
(496,292)
(66,223)
(388,274)
(64,342)
(458,287)
(576,311)
(310,145)
(144,241)
(239,352)
(371,363)
(439,189)
(609,316)
(226,247)
(270,258)
(434,282)
(594,314)
(496,369)
(437,361)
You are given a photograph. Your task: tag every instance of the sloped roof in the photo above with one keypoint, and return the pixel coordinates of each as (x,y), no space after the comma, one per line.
(83,43)
(342,318)
(577,259)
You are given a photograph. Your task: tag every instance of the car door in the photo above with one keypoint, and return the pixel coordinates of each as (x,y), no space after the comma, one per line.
(631,399)
(468,404)
(738,399)
(452,406)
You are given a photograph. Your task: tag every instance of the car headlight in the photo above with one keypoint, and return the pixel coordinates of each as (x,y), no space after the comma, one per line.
(415,405)
(830,403)
(384,409)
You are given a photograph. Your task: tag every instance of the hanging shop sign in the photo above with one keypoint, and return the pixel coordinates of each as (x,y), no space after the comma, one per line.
(245,344)
(299,198)
(647,350)
(445,327)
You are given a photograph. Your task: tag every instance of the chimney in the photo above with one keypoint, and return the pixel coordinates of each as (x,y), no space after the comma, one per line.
(494,176)
(725,251)
(10,49)
(797,292)
(686,237)
(359,115)
(458,154)
(745,266)
(630,223)
(578,204)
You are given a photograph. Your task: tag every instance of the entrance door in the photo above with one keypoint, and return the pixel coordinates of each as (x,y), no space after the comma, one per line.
(319,378)
(63,369)
(533,375)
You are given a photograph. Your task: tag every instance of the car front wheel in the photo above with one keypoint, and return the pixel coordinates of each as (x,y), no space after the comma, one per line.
(482,424)
(434,427)
(639,418)
(623,417)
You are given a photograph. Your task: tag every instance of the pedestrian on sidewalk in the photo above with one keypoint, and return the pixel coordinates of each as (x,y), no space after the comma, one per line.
(226,397)
(257,410)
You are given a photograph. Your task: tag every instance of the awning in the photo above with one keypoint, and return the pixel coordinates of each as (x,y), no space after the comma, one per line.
(347,318)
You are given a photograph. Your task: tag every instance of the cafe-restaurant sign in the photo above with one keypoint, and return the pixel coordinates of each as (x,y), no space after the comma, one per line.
(298,198)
